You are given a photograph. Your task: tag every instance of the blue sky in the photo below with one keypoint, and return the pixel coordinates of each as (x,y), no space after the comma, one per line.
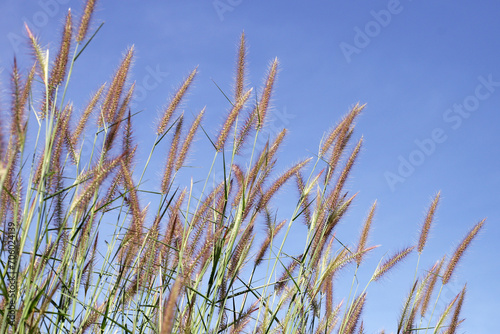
(428,71)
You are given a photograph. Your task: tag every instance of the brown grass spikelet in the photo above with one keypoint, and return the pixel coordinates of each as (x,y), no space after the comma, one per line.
(427,223)
(98,173)
(230,119)
(172,155)
(240,69)
(170,243)
(334,195)
(18,108)
(169,307)
(93,317)
(112,98)
(39,55)
(342,126)
(353,317)
(59,69)
(132,191)
(459,252)
(188,140)
(305,202)
(406,317)
(86,114)
(364,234)
(391,262)
(245,130)
(241,251)
(127,142)
(85,20)
(329,321)
(240,179)
(341,137)
(60,140)
(271,233)
(287,272)
(117,119)
(266,157)
(174,102)
(429,288)
(279,183)
(455,321)
(20,97)
(89,267)
(266,94)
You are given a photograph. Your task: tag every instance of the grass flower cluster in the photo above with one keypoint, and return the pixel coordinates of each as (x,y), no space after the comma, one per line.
(208,262)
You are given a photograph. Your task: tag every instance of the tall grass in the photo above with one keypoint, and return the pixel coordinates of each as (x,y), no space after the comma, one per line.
(193,262)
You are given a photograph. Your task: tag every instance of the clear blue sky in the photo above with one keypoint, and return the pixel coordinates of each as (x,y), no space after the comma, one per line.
(428,71)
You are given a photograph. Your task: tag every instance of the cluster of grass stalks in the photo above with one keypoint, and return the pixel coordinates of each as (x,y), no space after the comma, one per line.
(206,262)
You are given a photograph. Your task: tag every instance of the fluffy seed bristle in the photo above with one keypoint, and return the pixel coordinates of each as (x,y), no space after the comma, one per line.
(341,126)
(459,252)
(39,55)
(86,114)
(230,119)
(345,129)
(391,262)
(85,21)
(111,101)
(452,328)
(427,224)
(174,103)
(189,139)
(279,182)
(334,195)
(266,94)
(245,131)
(271,233)
(352,320)
(59,70)
(240,69)
(364,234)
(117,119)
(431,283)
(169,167)
(169,308)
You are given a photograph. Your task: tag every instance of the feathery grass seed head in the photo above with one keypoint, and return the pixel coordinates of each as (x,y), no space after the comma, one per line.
(459,252)
(391,262)
(85,20)
(427,224)
(188,141)
(266,94)
(364,234)
(174,103)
